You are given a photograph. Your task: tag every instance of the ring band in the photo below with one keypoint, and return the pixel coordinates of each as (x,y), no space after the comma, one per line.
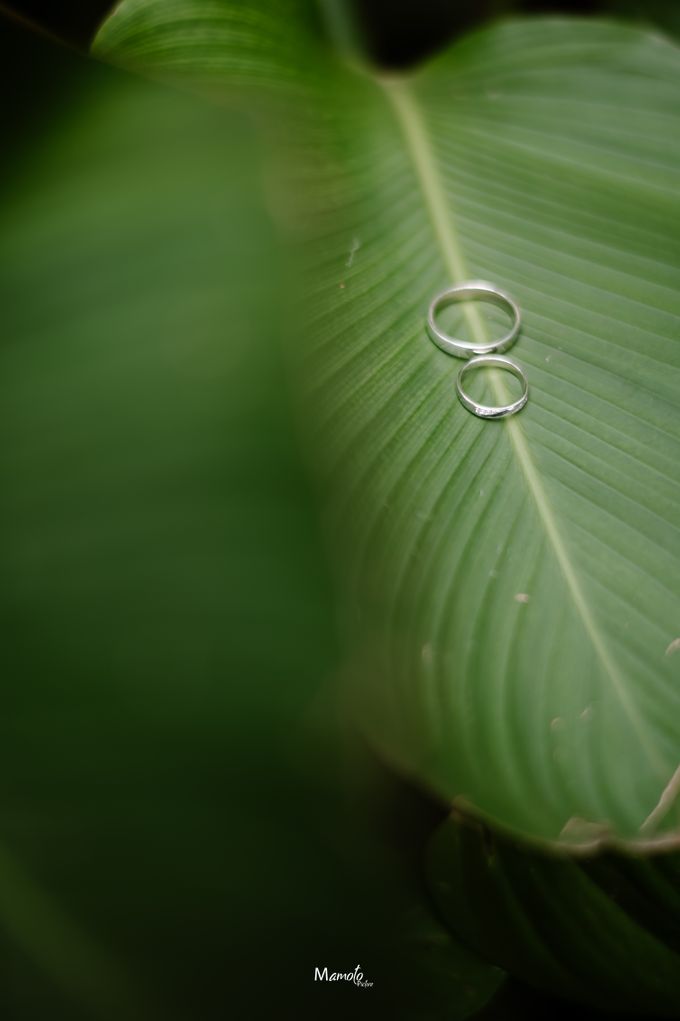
(486,410)
(481,291)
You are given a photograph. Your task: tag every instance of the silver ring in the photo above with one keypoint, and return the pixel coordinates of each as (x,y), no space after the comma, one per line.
(490,410)
(482,291)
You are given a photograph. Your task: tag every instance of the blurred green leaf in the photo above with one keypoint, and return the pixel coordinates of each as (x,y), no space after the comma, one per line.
(167,620)
(511,588)
(174,838)
(605,932)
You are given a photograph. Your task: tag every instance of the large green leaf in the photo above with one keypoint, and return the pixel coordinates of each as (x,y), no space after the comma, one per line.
(511,588)
(155,522)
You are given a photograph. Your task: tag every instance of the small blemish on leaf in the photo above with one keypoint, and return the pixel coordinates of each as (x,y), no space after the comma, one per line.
(557,723)
(522,597)
(673,647)
(356,245)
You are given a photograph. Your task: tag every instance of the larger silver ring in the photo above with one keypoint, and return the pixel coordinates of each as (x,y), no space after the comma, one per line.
(490,410)
(479,290)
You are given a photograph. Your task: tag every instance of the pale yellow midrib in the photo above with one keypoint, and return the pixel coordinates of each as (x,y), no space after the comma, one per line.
(418,144)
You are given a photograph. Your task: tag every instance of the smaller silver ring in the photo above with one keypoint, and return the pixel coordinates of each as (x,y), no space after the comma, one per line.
(490,410)
(481,291)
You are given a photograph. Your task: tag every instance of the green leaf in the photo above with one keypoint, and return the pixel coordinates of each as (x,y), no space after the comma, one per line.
(168,638)
(511,588)
(155,524)
(605,932)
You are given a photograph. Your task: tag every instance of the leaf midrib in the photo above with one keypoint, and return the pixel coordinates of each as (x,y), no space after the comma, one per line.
(413,129)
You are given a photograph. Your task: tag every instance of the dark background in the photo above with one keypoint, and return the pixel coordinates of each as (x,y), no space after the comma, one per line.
(399,32)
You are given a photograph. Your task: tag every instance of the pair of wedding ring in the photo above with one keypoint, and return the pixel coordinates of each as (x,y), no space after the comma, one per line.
(480,355)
